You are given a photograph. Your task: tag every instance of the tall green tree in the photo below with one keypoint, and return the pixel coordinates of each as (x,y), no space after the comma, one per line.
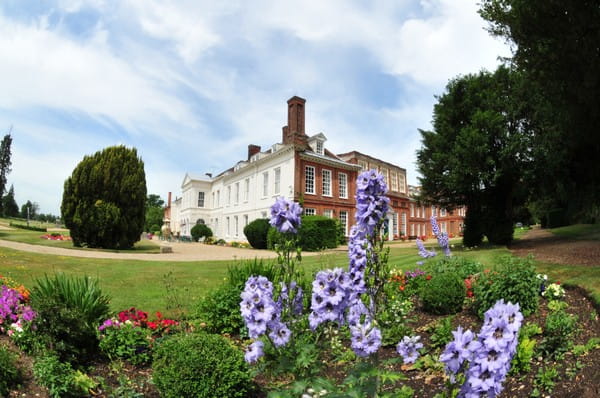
(556,46)
(29,210)
(154,212)
(5,164)
(9,204)
(104,200)
(479,152)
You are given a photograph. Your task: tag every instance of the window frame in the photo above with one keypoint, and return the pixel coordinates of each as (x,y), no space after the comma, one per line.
(309,177)
(343,188)
(326,182)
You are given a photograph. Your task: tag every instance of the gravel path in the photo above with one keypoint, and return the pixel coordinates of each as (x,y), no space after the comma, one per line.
(181,252)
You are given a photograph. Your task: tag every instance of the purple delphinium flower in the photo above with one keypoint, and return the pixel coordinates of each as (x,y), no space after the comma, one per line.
(254,351)
(280,334)
(371,202)
(442,237)
(331,291)
(407,348)
(257,306)
(10,301)
(489,357)
(424,252)
(285,215)
(458,351)
(365,339)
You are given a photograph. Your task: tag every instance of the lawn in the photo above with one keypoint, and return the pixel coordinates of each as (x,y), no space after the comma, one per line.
(578,231)
(172,287)
(34,238)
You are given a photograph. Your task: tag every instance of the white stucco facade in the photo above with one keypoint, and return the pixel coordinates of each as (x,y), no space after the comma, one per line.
(236,197)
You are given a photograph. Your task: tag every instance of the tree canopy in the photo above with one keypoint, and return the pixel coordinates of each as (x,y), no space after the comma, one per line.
(5,164)
(556,46)
(9,204)
(104,200)
(479,151)
(154,213)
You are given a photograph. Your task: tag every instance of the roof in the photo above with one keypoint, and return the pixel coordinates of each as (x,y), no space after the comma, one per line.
(360,154)
(328,159)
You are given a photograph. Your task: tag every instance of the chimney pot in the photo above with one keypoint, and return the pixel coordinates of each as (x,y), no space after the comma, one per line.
(253,150)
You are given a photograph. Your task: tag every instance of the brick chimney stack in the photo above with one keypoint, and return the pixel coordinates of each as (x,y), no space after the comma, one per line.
(294,132)
(253,150)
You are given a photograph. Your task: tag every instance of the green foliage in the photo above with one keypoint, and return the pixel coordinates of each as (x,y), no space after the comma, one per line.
(5,164)
(200,365)
(549,40)
(441,332)
(462,266)
(558,333)
(544,381)
(394,319)
(29,210)
(513,280)
(220,310)
(58,377)
(10,374)
(103,202)
(200,231)
(315,233)
(444,294)
(69,311)
(592,344)
(521,362)
(473,155)
(256,233)
(9,205)
(27,227)
(126,342)
(154,213)
(238,273)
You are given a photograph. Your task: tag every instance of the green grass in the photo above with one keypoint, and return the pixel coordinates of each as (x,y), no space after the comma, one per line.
(143,284)
(579,231)
(34,238)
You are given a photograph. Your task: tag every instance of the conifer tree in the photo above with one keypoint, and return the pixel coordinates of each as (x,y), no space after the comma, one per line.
(104,200)
(5,164)
(10,207)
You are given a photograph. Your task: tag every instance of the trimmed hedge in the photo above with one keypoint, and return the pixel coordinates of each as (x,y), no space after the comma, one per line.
(30,228)
(200,365)
(200,231)
(315,233)
(256,233)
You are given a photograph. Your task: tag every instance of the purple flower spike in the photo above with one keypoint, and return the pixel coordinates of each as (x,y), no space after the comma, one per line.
(285,215)
(407,348)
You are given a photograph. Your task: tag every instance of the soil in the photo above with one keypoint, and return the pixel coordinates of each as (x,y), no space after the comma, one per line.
(577,376)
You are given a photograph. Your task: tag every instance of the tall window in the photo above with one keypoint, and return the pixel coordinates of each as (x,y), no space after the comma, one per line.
(309,179)
(386,175)
(412,210)
(343,180)
(412,229)
(237,193)
(229,195)
(236,225)
(246,189)
(200,199)
(309,212)
(328,213)
(402,182)
(433,211)
(277,185)
(394,177)
(216,226)
(442,212)
(403,224)
(228,226)
(326,182)
(395,224)
(245,220)
(213,199)
(266,183)
(218,197)
(344,221)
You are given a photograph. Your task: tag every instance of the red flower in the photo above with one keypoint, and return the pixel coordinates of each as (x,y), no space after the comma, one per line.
(158,315)
(428,277)
(152,325)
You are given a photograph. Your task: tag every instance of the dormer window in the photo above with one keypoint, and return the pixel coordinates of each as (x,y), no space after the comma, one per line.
(319,148)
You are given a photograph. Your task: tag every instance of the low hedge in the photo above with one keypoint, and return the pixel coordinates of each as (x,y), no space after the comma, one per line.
(28,227)
(315,233)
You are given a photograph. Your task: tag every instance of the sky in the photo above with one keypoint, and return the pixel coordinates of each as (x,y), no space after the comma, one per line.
(190,84)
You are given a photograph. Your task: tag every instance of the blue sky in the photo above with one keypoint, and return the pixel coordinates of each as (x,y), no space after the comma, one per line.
(191,83)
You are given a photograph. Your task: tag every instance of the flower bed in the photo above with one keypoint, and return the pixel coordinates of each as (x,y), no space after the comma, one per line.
(55,236)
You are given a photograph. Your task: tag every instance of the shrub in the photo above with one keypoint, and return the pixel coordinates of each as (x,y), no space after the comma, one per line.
(315,233)
(220,310)
(558,333)
(104,200)
(28,227)
(513,280)
(463,266)
(200,365)
(200,231)
(10,375)
(256,233)
(238,273)
(60,379)
(126,342)
(444,294)
(69,311)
